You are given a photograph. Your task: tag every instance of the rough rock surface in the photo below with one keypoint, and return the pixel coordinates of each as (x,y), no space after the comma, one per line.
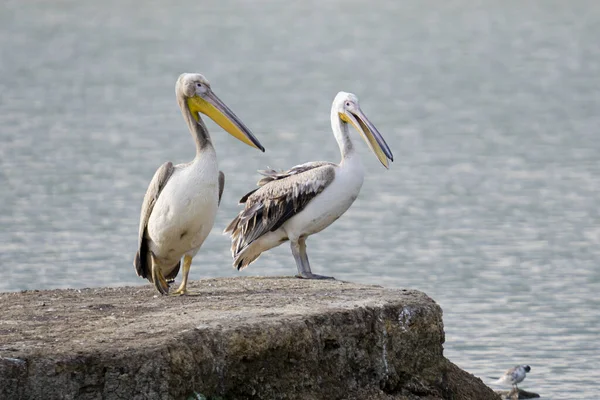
(241,338)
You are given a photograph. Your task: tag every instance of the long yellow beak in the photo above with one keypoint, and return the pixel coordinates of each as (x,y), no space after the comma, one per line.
(211,106)
(370,134)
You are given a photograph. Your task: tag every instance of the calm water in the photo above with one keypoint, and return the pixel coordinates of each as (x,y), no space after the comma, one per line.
(492,110)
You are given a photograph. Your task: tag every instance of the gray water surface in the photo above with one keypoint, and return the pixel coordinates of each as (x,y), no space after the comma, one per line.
(491,108)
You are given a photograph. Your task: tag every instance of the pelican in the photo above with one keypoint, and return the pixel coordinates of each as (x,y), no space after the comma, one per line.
(181,202)
(513,376)
(306,199)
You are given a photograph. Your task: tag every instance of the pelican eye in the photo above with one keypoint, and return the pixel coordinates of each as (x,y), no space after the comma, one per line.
(347,104)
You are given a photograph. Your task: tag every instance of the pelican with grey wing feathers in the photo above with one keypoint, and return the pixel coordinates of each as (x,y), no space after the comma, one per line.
(295,204)
(181,202)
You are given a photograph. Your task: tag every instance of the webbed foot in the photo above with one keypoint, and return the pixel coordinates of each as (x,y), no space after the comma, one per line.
(310,275)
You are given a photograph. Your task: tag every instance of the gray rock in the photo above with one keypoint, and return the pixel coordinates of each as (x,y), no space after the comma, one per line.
(517,394)
(240,338)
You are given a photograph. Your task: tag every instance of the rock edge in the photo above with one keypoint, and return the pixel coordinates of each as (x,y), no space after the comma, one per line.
(240,338)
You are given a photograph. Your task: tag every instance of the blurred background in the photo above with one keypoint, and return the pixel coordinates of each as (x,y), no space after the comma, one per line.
(491,109)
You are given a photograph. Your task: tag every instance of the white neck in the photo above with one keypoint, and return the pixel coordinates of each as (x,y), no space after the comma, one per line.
(342,136)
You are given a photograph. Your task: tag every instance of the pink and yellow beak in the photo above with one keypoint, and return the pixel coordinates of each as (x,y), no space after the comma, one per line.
(369,133)
(211,106)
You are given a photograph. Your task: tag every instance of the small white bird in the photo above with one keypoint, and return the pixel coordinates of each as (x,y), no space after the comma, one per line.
(513,376)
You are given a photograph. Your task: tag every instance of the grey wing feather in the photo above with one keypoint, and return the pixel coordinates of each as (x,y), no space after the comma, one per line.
(273,175)
(221,185)
(270,175)
(158,182)
(277,200)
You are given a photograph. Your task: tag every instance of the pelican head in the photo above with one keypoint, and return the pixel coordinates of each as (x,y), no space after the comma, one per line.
(194,90)
(348,109)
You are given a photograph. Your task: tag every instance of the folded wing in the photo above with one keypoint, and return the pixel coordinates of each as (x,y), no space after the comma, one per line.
(281,195)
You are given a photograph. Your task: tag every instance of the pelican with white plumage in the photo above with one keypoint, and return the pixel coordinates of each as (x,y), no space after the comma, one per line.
(180,205)
(306,199)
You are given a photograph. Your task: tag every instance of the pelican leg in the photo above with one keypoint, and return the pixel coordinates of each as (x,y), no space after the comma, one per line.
(299,252)
(187,263)
(160,283)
